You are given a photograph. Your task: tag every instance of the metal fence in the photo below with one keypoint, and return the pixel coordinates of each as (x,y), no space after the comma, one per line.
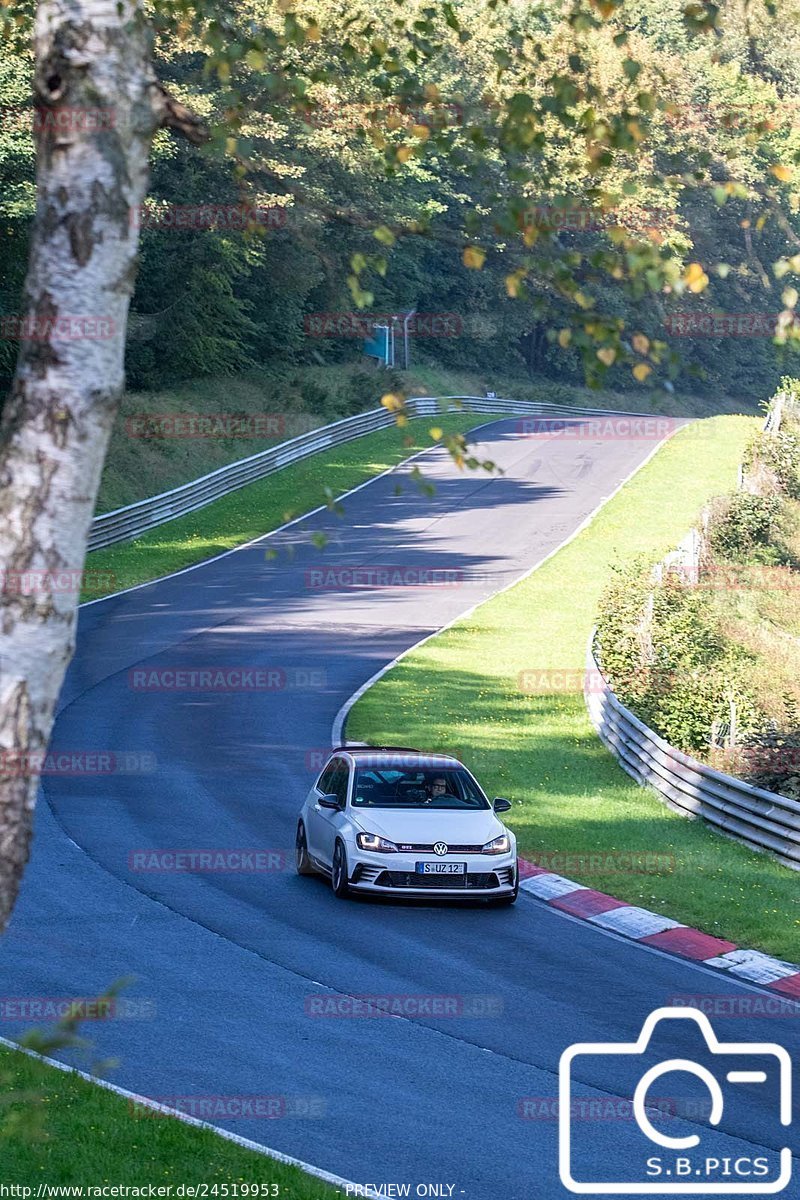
(136,519)
(761,819)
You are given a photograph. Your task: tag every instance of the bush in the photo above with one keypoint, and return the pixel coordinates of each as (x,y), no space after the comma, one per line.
(665,656)
(770,758)
(779,455)
(744,527)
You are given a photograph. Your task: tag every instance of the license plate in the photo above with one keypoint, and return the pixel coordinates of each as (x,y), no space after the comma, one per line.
(441,868)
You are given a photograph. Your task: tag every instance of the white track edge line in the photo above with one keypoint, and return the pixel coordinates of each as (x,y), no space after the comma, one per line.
(337,731)
(262,537)
(237,1139)
(338,725)
(693,964)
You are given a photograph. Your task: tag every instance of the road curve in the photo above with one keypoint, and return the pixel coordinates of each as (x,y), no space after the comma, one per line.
(225,963)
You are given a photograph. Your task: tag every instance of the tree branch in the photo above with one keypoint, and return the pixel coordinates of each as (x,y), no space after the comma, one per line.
(174,115)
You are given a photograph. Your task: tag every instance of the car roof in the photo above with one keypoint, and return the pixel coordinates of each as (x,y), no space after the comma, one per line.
(386,753)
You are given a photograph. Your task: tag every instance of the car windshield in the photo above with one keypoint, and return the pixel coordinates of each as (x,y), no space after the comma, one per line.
(431,788)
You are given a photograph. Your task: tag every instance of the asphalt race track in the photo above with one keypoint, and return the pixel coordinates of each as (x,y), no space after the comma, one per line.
(227,963)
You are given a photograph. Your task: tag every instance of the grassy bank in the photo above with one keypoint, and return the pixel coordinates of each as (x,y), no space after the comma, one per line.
(266,504)
(465,690)
(92,1136)
(304,397)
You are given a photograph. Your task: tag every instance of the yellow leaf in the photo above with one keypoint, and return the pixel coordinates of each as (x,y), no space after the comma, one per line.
(789,297)
(530,234)
(641,344)
(432,92)
(392,402)
(695,278)
(404,153)
(230,145)
(473,257)
(436,433)
(782,173)
(514,284)
(607,355)
(564,338)
(224,71)
(313,32)
(421,131)
(641,371)
(256,59)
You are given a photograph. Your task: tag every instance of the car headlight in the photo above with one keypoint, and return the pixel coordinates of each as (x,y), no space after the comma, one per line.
(498,845)
(371,841)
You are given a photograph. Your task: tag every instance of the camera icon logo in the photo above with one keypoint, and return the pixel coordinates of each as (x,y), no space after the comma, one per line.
(642,1157)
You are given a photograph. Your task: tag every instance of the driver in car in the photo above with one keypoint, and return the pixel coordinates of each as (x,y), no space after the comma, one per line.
(437,788)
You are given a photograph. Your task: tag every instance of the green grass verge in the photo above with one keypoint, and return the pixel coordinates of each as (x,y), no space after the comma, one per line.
(461,691)
(263,506)
(305,396)
(93,1137)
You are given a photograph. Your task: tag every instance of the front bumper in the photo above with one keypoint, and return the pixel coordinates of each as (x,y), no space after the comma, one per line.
(396,875)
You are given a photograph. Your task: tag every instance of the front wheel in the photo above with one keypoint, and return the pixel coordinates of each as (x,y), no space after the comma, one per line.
(301,859)
(339,872)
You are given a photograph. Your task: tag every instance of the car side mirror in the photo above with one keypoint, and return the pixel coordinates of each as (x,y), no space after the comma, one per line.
(329,800)
(501,805)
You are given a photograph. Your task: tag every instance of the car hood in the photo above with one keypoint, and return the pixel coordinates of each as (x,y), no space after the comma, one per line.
(431,825)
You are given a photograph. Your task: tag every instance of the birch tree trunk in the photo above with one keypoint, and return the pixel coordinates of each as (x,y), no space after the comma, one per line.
(99,105)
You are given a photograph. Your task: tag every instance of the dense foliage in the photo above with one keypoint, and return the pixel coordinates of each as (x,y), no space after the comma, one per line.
(566,184)
(708,660)
(661,645)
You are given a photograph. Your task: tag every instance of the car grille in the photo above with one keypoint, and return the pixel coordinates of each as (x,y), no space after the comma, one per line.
(428,849)
(411,879)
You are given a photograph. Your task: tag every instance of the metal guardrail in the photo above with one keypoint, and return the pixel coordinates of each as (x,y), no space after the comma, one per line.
(761,819)
(133,520)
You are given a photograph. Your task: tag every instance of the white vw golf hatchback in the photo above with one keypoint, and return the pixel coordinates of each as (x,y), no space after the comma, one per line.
(393,821)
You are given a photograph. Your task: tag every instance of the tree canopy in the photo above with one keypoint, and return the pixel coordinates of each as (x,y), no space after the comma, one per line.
(567,182)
